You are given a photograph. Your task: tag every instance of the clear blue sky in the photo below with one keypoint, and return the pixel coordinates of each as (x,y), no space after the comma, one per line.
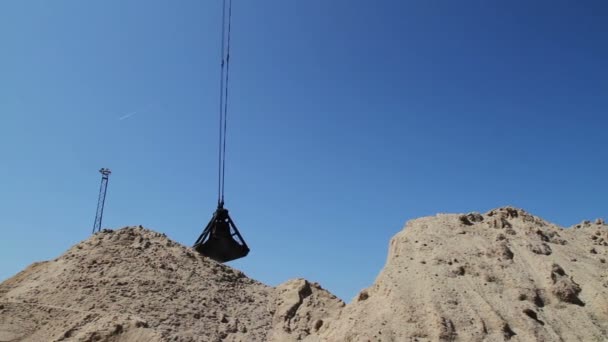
(347,118)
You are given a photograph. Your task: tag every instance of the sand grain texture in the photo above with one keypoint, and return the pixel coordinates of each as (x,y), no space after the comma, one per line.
(133,285)
(505,275)
(502,276)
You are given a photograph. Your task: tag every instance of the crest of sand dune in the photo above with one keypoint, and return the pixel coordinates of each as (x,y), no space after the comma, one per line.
(504,275)
(137,285)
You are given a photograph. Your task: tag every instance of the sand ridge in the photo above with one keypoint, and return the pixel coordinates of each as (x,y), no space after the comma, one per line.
(505,275)
(137,285)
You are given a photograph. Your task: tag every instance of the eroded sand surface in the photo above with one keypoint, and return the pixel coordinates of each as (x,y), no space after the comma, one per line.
(503,275)
(137,285)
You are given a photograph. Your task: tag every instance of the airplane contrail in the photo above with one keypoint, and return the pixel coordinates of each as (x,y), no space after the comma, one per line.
(126,116)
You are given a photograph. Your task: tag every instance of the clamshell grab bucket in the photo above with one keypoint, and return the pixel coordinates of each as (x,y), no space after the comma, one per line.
(221,240)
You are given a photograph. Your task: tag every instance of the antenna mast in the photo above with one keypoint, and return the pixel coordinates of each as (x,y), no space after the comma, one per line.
(105,173)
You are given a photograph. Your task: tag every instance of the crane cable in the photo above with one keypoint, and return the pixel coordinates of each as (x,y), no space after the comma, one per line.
(223,113)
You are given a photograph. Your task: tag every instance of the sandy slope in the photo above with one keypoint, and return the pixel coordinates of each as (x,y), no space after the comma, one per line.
(504,275)
(137,285)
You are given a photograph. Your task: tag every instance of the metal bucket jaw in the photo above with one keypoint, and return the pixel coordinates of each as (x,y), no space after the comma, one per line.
(221,240)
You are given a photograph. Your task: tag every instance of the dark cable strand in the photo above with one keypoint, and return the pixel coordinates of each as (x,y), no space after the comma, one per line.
(226,99)
(221,114)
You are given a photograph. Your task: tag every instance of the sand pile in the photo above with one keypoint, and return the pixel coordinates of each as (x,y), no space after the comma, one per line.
(137,285)
(504,275)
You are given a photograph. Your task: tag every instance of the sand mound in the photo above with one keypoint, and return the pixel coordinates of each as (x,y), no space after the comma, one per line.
(137,285)
(302,311)
(503,275)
